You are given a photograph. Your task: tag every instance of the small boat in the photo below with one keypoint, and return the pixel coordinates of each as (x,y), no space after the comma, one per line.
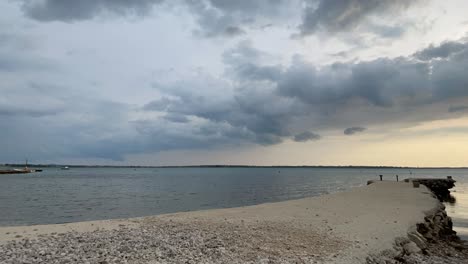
(65,168)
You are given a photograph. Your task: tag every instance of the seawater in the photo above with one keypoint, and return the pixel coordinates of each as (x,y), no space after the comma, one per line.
(81,194)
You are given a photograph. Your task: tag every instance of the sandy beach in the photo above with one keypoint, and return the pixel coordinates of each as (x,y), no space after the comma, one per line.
(345,227)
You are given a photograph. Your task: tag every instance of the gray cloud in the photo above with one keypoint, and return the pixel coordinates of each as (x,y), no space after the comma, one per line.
(376,82)
(15,41)
(70,11)
(401,90)
(16,54)
(10,62)
(262,108)
(258,99)
(442,51)
(457,108)
(260,6)
(386,31)
(233,31)
(247,114)
(306,136)
(30,100)
(243,63)
(41,121)
(270,103)
(229,18)
(6,110)
(216,18)
(337,15)
(353,130)
(176,118)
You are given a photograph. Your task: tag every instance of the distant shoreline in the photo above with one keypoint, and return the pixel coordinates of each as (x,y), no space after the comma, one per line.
(227,166)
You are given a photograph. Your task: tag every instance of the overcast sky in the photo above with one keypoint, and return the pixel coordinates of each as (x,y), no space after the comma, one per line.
(265,82)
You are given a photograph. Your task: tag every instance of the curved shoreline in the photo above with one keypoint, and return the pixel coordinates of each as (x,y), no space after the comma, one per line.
(345,227)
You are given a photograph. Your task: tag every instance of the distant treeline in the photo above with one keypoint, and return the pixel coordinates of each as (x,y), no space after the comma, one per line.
(227,166)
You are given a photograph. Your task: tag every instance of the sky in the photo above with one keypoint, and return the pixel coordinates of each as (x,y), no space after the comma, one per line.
(265,82)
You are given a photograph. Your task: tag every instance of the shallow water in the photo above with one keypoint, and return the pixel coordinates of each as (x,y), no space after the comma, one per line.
(80,194)
(459,210)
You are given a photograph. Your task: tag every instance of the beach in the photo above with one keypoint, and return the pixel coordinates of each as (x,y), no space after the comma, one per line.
(356,226)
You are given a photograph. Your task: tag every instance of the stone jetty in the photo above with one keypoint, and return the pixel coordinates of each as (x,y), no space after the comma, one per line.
(439,186)
(432,240)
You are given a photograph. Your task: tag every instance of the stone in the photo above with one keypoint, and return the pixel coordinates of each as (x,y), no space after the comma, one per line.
(411,248)
(418,239)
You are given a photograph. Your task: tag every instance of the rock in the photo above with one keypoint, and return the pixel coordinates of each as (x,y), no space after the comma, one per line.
(418,239)
(411,248)
(401,241)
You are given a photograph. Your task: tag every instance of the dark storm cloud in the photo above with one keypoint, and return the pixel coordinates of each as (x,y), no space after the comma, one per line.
(368,92)
(458,108)
(271,103)
(69,11)
(377,82)
(338,15)
(247,114)
(353,130)
(306,136)
(441,51)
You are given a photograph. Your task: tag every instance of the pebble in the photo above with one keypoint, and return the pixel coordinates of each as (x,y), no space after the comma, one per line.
(171,242)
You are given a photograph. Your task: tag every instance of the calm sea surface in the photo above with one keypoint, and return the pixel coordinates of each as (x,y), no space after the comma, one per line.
(80,194)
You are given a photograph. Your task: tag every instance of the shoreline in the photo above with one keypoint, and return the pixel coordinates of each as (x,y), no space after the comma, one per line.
(355,226)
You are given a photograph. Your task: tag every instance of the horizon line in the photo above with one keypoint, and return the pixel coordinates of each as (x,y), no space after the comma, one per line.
(233,166)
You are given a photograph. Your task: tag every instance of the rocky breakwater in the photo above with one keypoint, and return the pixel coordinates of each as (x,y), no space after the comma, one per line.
(433,239)
(440,187)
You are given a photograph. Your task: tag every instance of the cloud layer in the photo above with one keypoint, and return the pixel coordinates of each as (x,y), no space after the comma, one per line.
(139,77)
(261,104)
(232,18)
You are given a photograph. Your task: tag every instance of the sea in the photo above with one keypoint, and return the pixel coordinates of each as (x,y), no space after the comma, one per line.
(81,194)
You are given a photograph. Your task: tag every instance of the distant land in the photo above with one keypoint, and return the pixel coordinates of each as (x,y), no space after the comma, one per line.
(226,166)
